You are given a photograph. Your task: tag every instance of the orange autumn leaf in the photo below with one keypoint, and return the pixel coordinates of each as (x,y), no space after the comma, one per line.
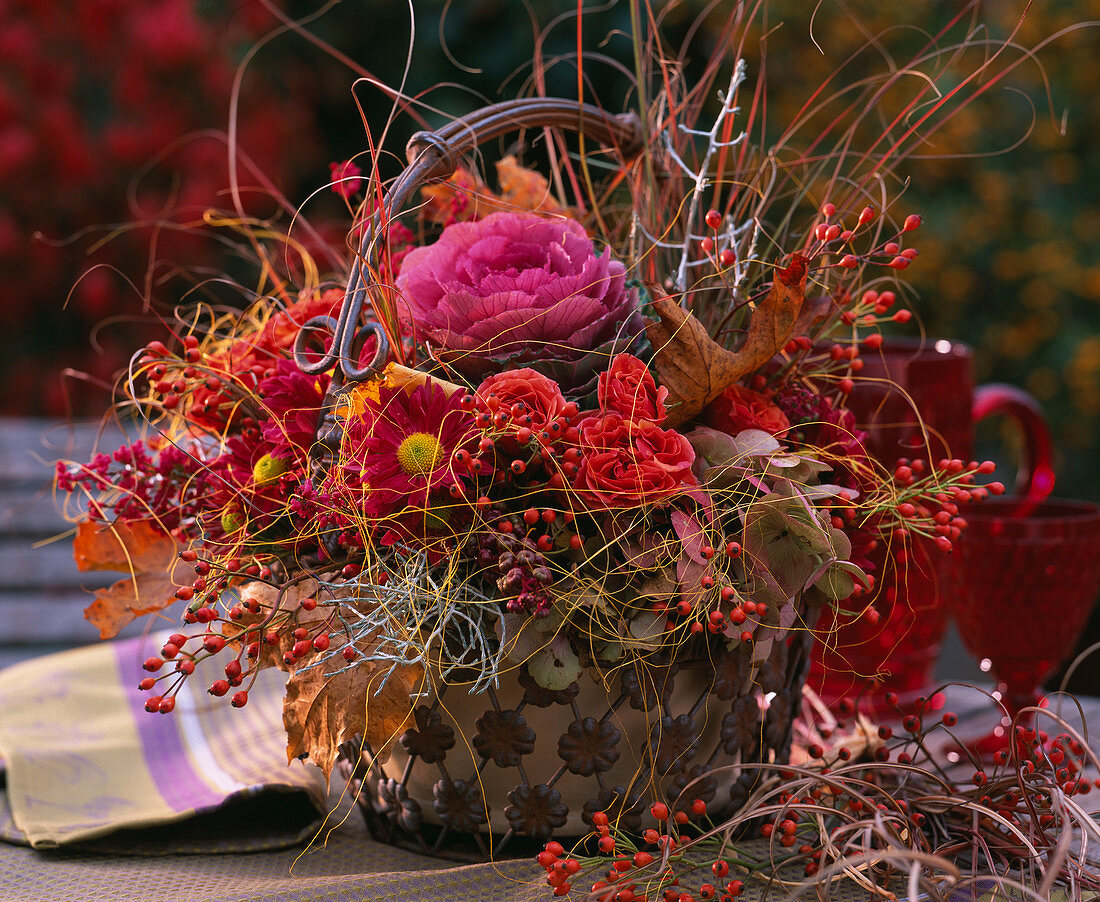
(322,710)
(141,548)
(696,369)
(464,196)
(123,545)
(525,189)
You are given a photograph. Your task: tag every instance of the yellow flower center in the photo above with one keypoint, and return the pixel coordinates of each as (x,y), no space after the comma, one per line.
(268,468)
(231,521)
(419,454)
(436,519)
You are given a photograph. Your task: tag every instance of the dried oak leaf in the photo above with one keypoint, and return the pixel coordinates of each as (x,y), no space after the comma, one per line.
(814,310)
(138,546)
(696,369)
(279,614)
(322,710)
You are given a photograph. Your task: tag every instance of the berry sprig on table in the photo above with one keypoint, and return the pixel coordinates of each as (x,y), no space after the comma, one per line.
(867,798)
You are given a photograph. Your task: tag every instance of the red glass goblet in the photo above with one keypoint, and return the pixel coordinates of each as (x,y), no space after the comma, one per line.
(1021,584)
(916,400)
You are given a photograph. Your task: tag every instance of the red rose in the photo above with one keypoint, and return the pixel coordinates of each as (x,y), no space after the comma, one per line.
(541,397)
(628,388)
(739,408)
(628,464)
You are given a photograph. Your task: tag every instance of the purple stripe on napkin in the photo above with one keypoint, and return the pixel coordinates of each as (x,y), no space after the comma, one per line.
(162,746)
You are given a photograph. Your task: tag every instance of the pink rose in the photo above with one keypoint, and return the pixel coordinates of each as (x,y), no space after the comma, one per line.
(520,289)
(739,408)
(628,388)
(542,399)
(627,464)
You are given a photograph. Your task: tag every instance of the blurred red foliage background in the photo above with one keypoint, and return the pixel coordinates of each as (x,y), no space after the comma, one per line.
(113,120)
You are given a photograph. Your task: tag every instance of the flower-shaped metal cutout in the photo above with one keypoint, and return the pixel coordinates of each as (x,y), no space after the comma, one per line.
(699,782)
(741,727)
(459,805)
(396,806)
(646,686)
(589,746)
(504,736)
(672,742)
(731,671)
(431,738)
(742,788)
(536,810)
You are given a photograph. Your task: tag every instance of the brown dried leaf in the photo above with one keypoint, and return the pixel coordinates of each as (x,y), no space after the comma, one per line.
(690,364)
(696,369)
(813,311)
(773,321)
(323,710)
(139,547)
(129,599)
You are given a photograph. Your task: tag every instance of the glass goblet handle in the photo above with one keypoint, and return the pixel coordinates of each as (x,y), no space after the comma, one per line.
(1035,476)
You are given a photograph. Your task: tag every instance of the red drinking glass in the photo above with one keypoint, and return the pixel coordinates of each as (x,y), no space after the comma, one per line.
(917,400)
(1021,584)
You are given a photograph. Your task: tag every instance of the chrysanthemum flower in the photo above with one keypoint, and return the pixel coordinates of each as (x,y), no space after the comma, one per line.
(248,493)
(291,400)
(409,449)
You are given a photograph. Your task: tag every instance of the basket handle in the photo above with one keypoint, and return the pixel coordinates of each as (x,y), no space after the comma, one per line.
(434,156)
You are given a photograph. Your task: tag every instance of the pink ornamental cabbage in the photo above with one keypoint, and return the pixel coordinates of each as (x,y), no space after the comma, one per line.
(517,289)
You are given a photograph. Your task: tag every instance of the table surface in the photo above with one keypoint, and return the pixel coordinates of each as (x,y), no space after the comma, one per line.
(340,862)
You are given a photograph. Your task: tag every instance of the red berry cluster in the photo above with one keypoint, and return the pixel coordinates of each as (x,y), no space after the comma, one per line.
(928,499)
(842,362)
(631,872)
(820,814)
(550,449)
(836,239)
(170,376)
(256,632)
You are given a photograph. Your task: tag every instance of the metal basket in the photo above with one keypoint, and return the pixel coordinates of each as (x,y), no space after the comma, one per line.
(504,771)
(481,775)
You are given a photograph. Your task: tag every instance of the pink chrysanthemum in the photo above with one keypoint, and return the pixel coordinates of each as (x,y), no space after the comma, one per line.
(248,493)
(408,453)
(291,400)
